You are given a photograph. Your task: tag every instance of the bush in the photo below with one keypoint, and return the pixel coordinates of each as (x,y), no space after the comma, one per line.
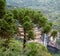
(34,49)
(15,49)
(30,34)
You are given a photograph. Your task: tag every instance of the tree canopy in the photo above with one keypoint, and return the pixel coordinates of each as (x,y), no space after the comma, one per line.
(2,8)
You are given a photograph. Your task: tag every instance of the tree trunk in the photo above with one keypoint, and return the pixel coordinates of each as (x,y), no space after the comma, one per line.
(24,41)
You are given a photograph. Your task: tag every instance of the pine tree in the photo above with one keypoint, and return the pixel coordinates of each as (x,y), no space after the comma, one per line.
(2,8)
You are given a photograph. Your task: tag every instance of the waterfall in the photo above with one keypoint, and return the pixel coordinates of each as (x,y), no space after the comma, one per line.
(45,40)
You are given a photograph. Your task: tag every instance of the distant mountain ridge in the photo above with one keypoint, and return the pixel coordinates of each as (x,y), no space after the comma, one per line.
(47,6)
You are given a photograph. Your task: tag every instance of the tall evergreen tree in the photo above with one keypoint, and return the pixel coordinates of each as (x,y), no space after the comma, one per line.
(27,25)
(2,8)
(54,34)
(7,26)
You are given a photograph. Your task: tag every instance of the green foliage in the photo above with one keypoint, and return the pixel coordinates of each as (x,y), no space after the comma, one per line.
(34,49)
(51,24)
(42,21)
(54,33)
(15,49)
(34,16)
(26,18)
(21,15)
(8,29)
(15,13)
(27,25)
(7,26)
(56,54)
(47,29)
(2,8)
(30,34)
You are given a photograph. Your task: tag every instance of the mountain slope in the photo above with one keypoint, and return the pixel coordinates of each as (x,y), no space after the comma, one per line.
(50,8)
(47,6)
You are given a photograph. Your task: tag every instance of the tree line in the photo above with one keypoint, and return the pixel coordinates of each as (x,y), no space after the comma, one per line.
(27,19)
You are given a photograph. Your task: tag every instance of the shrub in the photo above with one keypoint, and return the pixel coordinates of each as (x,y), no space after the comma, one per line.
(34,49)
(30,34)
(15,49)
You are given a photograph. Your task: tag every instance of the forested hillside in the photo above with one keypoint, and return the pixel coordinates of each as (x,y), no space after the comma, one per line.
(25,28)
(50,8)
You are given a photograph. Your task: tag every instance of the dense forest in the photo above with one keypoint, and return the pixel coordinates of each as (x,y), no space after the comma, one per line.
(11,19)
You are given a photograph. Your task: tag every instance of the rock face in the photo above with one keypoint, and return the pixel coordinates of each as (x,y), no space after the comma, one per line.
(52,49)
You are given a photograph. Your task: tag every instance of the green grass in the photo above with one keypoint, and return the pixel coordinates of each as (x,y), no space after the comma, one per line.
(57,54)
